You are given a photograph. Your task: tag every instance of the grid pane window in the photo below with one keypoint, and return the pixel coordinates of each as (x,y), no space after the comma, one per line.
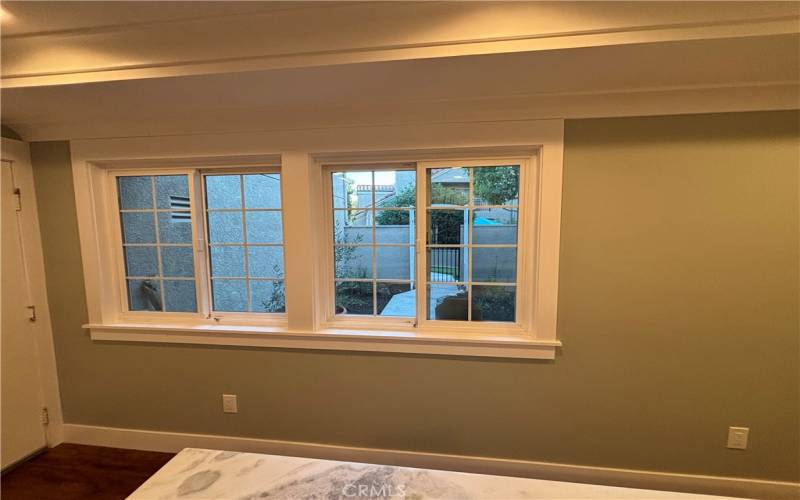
(156,223)
(471,243)
(245,242)
(373,242)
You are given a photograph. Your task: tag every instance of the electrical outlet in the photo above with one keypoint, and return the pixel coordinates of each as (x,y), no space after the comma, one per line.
(229,403)
(737,437)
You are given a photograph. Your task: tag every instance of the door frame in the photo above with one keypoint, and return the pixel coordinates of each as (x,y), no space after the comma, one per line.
(18,154)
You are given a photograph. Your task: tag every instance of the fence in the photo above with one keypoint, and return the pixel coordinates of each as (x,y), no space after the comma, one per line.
(449,261)
(446,261)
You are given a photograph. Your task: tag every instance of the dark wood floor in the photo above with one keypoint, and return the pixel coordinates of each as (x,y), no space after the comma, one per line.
(73,471)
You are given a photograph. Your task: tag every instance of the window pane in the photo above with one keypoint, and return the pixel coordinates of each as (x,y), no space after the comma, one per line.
(447,227)
(448,186)
(352,262)
(494,226)
(447,264)
(223,191)
(340,190)
(394,226)
(144,295)
(146,222)
(385,188)
(267,297)
(403,192)
(494,264)
(243,227)
(496,185)
(141,261)
(395,263)
(177,261)
(490,196)
(229,295)
(493,303)
(262,191)
(373,237)
(354,297)
(352,189)
(225,227)
(135,192)
(352,226)
(447,302)
(138,227)
(227,261)
(172,191)
(179,296)
(396,299)
(265,262)
(264,227)
(175,227)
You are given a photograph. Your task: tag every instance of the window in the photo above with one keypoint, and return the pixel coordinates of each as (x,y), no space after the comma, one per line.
(450,250)
(470,264)
(245,242)
(471,243)
(157,242)
(240,239)
(374,251)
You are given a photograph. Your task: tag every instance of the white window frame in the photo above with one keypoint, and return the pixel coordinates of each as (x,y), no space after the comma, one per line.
(301,156)
(526,247)
(229,316)
(202,277)
(115,224)
(526,251)
(328,297)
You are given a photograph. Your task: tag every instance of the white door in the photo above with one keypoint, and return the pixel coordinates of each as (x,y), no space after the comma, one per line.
(23,431)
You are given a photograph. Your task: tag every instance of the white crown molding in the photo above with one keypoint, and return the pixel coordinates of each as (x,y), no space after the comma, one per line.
(308,37)
(691,483)
(769,96)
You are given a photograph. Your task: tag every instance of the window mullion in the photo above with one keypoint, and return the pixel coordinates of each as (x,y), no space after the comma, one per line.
(374,251)
(200,245)
(420,205)
(468,222)
(245,251)
(158,242)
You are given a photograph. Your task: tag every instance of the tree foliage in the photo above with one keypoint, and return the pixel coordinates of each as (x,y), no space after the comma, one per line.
(445,224)
(496,185)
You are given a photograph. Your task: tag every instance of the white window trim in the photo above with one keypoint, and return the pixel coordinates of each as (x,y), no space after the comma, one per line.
(229,317)
(116,305)
(115,227)
(327,282)
(529,192)
(301,166)
(526,247)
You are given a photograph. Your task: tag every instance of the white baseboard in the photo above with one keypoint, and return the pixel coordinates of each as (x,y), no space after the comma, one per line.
(690,483)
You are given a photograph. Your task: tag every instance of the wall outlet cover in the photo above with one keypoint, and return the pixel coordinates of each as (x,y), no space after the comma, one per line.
(229,403)
(737,437)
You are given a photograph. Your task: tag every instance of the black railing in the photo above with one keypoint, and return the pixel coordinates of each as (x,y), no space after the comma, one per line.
(446,261)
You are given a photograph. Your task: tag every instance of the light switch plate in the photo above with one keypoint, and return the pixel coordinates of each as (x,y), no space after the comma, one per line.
(229,403)
(737,437)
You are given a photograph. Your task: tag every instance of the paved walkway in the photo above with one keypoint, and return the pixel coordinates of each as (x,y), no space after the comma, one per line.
(405,304)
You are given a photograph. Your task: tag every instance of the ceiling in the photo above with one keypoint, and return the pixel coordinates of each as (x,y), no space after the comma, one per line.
(26,18)
(633,67)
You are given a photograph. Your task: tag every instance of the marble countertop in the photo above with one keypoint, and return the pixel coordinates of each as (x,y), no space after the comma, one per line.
(197,473)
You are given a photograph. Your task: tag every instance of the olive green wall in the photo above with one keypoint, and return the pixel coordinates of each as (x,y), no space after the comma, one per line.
(678,310)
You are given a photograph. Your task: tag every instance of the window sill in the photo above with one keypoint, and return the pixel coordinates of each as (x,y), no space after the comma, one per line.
(439,343)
